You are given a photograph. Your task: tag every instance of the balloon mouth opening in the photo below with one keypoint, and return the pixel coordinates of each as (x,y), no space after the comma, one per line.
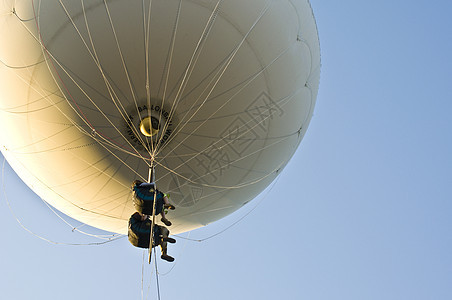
(149,126)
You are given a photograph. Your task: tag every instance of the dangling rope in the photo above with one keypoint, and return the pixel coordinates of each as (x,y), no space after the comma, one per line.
(142,276)
(157,275)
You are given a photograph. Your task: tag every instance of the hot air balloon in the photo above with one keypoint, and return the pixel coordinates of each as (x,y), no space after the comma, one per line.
(217,95)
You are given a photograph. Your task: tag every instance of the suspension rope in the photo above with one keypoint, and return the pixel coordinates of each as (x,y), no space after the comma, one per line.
(248,82)
(237,186)
(221,72)
(234,223)
(171,53)
(219,168)
(147,38)
(282,103)
(173,171)
(78,111)
(126,72)
(192,63)
(168,62)
(76,125)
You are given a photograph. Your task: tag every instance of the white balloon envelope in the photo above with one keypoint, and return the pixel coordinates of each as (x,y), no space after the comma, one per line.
(217,93)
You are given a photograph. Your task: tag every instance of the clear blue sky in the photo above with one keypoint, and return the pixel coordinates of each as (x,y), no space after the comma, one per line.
(362,211)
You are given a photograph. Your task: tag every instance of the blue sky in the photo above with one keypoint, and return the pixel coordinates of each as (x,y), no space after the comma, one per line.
(362,211)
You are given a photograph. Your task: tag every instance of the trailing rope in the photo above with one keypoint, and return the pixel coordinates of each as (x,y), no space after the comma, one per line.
(157,275)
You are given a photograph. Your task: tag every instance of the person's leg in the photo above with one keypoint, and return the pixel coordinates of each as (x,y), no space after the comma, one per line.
(164,232)
(164,219)
(160,203)
(167,203)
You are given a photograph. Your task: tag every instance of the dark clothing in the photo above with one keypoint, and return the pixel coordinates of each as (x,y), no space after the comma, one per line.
(143,199)
(140,232)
